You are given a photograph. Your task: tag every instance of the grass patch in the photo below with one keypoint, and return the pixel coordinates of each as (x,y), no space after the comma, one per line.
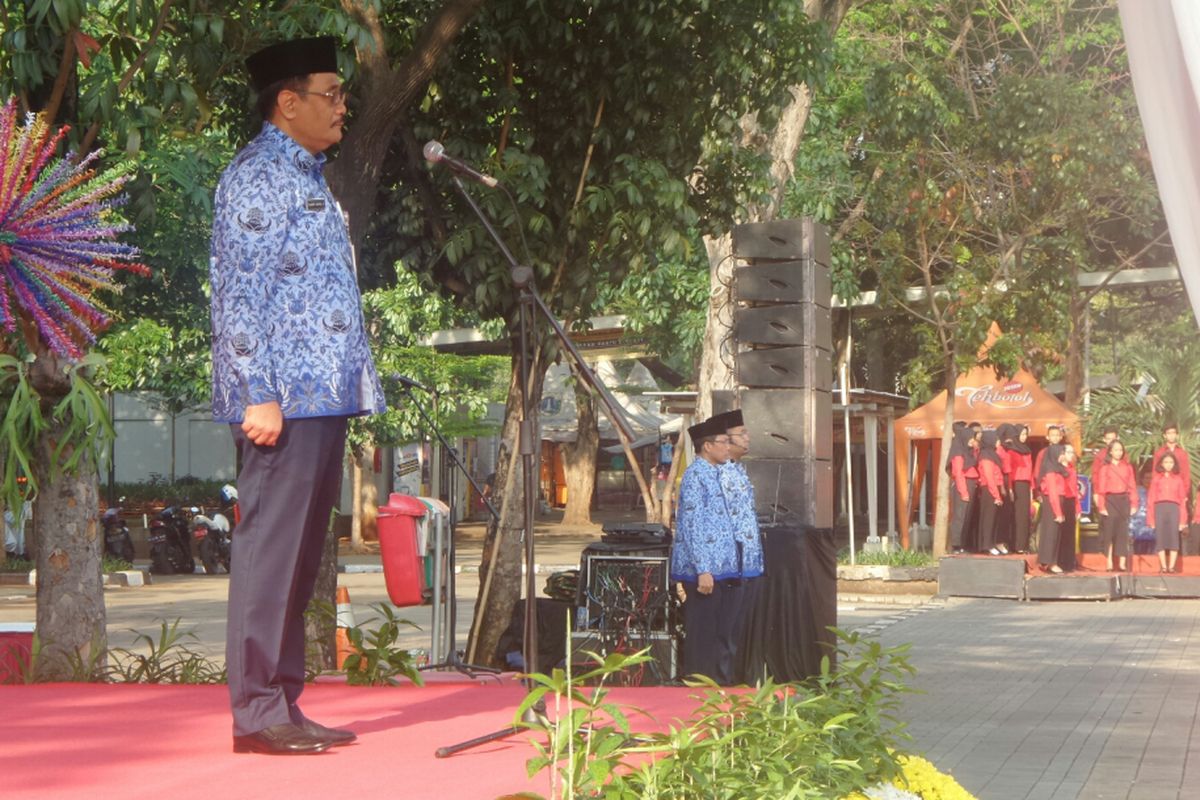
(896,558)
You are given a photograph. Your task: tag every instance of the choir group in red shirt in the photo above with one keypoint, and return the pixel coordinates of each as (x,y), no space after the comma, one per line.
(996,479)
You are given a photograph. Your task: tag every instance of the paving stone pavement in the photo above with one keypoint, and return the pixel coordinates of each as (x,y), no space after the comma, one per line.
(1056,701)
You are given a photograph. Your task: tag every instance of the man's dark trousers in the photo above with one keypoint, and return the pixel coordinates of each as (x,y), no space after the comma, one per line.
(286,493)
(713,626)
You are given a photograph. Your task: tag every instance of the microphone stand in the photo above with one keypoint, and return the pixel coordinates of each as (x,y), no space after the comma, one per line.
(522,279)
(452,659)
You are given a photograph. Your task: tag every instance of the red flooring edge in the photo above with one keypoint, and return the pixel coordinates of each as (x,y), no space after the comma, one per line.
(127,740)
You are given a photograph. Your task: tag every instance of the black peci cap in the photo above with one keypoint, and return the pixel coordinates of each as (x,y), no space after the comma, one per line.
(292,59)
(730,419)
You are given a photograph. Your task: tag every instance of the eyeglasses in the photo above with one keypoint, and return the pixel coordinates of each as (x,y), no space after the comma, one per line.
(720,440)
(336,96)
(742,435)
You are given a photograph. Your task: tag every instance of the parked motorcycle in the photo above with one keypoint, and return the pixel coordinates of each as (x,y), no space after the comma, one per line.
(213,541)
(117,541)
(170,543)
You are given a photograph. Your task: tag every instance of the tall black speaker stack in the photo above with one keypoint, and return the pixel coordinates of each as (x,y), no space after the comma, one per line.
(783,366)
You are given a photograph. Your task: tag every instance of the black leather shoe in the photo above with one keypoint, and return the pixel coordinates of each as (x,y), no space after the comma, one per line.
(281,740)
(335,736)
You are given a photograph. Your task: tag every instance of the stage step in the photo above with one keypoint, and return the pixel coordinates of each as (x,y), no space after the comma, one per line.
(1072,587)
(1157,585)
(981,576)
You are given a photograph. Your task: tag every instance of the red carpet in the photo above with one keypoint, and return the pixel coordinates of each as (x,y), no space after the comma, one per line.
(122,740)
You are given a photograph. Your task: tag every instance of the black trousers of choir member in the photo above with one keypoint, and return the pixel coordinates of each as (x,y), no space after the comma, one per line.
(1056,540)
(286,493)
(961,512)
(1114,526)
(1020,506)
(989,517)
(713,625)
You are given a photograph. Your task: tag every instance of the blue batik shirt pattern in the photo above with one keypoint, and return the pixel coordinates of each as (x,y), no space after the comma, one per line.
(705,537)
(287,317)
(739,494)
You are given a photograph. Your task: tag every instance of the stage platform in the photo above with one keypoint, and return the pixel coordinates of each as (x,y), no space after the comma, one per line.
(1019,577)
(130,740)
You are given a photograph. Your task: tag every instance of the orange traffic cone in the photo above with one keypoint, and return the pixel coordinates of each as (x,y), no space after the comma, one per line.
(345,620)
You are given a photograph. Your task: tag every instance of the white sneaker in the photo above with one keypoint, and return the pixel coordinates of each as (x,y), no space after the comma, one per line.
(994,551)
(1003,550)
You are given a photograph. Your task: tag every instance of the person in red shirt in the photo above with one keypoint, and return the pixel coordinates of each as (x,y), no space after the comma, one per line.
(1056,508)
(1020,475)
(1166,505)
(1054,435)
(991,493)
(963,469)
(1116,496)
(1171,445)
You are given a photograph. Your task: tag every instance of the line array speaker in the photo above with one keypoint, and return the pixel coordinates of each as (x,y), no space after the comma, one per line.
(783,366)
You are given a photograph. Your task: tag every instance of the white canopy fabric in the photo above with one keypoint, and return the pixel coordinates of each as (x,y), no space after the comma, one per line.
(557,414)
(1163,38)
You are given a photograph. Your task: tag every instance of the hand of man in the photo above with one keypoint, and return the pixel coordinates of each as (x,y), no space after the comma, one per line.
(263,423)
(1104,513)
(704,583)
(1060,520)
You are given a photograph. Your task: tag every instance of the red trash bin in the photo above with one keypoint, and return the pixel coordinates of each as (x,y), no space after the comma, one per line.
(398,549)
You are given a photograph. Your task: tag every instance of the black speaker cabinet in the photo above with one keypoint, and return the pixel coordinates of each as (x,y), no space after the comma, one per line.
(798,367)
(800,281)
(786,324)
(782,240)
(792,490)
(789,423)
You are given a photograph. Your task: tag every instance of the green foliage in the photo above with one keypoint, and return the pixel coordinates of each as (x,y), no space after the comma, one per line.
(20,425)
(667,305)
(598,134)
(167,659)
(157,492)
(1171,377)
(79,668)
(377,659)
(175,365)
(891,558)
(820,739)
(82,416)
(986,152)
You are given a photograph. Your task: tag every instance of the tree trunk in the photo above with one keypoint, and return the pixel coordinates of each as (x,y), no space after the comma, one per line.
(1073,377)
(70,593)
(500,578)
(386,93)
(941,514)
(579,459)
(368,500)
(320,618)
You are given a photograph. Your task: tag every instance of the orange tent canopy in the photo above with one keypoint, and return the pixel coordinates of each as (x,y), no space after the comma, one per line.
(982,396)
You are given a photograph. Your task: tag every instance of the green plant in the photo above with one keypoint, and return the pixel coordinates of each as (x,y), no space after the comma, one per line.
(167,660)
(16,565)
(82,668)
(894,558)
(377,660)
(823,738)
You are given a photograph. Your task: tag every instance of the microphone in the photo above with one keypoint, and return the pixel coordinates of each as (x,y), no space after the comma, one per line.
(407,382)
(435,153)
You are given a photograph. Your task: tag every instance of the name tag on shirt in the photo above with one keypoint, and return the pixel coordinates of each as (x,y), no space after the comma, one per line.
(314,204)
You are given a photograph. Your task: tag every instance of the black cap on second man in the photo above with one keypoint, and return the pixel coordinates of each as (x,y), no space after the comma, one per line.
(728,420)
(292,59)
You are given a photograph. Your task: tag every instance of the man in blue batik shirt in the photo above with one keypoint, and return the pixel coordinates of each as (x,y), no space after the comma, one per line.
(291,365)
(707,559)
